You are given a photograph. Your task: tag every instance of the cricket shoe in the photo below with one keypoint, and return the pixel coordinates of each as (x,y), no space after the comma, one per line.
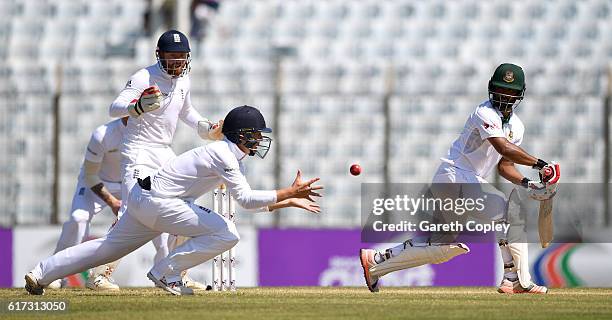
(190,283)
(177,288)
(32,285)
(367,261)
(101,283)
(507,286)
(533,288)
(57,284)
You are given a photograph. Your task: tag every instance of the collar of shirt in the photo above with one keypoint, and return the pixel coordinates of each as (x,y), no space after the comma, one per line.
(490,105)
(234,148)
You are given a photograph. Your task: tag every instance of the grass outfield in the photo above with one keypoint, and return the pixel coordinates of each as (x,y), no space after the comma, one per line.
(317,303)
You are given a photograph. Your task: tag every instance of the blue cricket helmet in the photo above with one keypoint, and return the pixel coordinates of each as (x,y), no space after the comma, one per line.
(173,41)
(240,127)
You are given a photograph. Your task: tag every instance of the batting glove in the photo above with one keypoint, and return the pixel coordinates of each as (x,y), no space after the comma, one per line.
(549,172)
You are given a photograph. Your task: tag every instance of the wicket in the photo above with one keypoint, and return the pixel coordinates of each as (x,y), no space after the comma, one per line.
(224,265)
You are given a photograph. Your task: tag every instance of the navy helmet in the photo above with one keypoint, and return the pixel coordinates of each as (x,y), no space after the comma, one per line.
(244,126)
(174,41)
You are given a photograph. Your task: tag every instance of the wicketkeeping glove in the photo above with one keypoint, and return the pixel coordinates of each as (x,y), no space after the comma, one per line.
(149,100)
(210,131)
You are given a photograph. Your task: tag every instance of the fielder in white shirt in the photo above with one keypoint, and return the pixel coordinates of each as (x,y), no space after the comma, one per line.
(155,98)
(98,186)
(490,139)
(164,203)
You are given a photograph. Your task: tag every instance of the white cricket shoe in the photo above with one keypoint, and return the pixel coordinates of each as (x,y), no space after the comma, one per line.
(533,288)
(32,285)
(190,283)
(177,288)
(57,284)
(101,283)
(367,261)
(507,286)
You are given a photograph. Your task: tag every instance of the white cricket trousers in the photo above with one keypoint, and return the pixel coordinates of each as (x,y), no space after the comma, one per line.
(139,162)
(148,216)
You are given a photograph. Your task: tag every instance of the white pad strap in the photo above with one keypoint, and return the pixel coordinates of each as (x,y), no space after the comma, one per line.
(419,255)
(521,262)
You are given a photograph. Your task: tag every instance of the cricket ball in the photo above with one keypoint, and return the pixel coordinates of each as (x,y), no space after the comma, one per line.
(355,169)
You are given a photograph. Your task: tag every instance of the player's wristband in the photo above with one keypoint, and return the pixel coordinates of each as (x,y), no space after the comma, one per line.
(525,182)
(540,164)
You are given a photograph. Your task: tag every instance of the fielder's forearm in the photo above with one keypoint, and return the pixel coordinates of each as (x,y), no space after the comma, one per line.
(284,194)
(279,205)
(101,191)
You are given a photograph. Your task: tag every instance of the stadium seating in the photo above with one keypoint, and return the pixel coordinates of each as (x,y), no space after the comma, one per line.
(433,57)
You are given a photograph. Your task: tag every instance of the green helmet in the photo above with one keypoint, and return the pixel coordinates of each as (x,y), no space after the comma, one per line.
(507,76)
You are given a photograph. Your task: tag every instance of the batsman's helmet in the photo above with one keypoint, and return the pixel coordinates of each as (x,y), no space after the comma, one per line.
(244,126)
(507,76)
(173,41)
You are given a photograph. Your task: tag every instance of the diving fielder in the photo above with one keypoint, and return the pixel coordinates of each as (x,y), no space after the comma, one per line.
(490,138)
(155,98)
(98,186)
(164,203)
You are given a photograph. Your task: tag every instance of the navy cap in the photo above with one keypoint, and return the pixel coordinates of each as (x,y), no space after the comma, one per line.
(173,41)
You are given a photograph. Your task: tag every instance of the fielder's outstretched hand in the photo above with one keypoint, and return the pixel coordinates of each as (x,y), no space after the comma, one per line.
(305,204)
(306,189)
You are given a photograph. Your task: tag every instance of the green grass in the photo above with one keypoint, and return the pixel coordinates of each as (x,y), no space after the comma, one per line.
(316,303)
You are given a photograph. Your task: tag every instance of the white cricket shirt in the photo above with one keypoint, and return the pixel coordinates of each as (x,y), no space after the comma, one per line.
(200,170)
(156,128)
(472,151)
(104,147)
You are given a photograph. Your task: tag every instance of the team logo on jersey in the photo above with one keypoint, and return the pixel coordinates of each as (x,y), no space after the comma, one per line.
(487,126)
(510,134)
(177,38)
(509,77)
(128,84)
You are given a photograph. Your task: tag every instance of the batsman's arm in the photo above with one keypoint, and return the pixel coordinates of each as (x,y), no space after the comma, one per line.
(513,152)
(507,170)
(92,181)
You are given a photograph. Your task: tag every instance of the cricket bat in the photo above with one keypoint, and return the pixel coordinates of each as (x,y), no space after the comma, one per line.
(545,222)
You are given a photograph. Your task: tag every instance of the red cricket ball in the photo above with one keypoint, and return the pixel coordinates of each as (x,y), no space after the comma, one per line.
(355,169)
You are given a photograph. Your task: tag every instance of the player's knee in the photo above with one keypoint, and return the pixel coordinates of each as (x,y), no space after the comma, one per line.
(231,237)
(79,216)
